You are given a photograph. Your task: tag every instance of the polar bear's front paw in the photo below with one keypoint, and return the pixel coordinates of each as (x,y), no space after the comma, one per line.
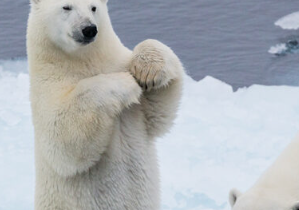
(130,92)
(122,87)
(148,65)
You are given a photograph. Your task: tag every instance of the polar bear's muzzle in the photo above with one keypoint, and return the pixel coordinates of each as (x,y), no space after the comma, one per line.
(86,35)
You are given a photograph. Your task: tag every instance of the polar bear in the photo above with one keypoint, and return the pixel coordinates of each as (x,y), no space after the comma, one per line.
(277,189)
(97,108)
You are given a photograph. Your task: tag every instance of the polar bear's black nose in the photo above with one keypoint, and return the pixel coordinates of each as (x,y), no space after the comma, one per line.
(90,31)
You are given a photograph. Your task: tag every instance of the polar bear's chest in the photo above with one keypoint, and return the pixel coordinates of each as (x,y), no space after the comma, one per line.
(126,175)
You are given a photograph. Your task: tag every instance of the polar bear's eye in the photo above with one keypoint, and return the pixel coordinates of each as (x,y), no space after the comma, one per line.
(67,8)
(94,9)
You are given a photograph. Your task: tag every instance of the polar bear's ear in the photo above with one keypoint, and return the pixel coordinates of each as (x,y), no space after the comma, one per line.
(234,194)
(104,1)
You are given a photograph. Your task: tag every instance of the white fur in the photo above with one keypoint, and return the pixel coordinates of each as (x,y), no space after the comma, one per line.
(94,128)
(277,189)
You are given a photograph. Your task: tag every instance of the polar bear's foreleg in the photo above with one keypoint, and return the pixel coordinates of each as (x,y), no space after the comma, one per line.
(82,124)
(160,73)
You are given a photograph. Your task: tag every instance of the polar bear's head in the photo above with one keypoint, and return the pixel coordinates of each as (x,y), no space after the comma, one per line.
(263,199)
(71,24)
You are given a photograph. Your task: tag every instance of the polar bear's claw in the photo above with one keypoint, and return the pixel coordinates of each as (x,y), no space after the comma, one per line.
(148,66)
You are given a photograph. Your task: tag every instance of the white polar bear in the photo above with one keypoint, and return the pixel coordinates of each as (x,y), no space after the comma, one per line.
(94,126)
(277,189)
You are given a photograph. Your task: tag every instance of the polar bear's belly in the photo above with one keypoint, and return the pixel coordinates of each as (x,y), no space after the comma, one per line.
(126,177)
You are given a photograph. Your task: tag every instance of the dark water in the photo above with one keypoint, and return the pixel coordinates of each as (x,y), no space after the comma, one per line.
(226,39)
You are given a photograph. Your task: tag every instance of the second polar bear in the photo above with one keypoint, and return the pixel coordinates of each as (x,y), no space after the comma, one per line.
(277,189)
(94,126)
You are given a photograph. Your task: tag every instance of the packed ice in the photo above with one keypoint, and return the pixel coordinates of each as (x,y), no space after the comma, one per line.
(221,139)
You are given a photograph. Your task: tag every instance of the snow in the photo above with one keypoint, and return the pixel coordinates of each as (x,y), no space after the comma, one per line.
(221,139)
(16,138)
(289,22)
